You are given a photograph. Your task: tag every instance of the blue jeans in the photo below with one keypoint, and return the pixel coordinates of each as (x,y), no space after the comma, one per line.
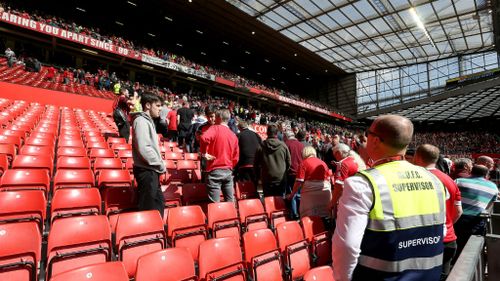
(295,202)
(217,180)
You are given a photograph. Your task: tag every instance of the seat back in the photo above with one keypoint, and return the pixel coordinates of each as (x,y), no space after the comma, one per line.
(107,164)
(223,220)
(262,256)
(20,251)
(275,209)
(319,239)
(252,214)
(186,228)
(69,202)
(323,273)
(137,234)
(43,162)
(26,179)
(78,241)
(24,205)
(294,248)
(9,150)
(227,265)
(73,178)
(106,271)
(194,193)
(171,264)
(71,151)
(70,162)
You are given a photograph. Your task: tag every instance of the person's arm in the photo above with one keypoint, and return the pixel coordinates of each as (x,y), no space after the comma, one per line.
(145,145)
(288,159)
(206,138)
(352,219)
(178,118)
(457,204)
(236,153)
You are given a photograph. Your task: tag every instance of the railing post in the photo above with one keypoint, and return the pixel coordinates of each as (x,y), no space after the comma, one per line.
(493,248)
(469,265)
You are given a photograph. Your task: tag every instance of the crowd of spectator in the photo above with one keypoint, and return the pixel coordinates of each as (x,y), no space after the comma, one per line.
(460,143)
(101,35)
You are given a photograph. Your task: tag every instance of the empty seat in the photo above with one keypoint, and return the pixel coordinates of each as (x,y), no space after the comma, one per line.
(71,151)
(43,162)
(24,205)
(37,150)
(172,264)
(9,150)
(121,146)
(4,163)
(75,202)
(323,273)
(262,256)
(319,239)
(106,164)
(252,214)
(188,171)
(20,252)
(8,132)
(223,220)
(40,142)
(101,153)
(275,209)
(97,145)
(186,228)
(245,190)
(73,179)
(116,140)
(194,193)
(173,156)
(77,241)
(113,181)
(107,271)
(121,201)
(221,259)
(70,162)
(92,139)
(16,141)
(124,154)
(71,143)
(137,234)
(294,248)
(25,180)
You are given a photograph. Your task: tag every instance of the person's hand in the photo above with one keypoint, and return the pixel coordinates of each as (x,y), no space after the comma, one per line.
(289,197)
(209,157)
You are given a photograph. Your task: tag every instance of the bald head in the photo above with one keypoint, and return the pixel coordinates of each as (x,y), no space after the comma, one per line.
(479,171)
(485,161)
(394,131)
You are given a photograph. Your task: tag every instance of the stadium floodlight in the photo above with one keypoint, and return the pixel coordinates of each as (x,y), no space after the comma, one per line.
(253,32)
(247,52)
(168,18)
(294,54)
(119,23)
(90,51)
(199,31)
(179,44)
(151,34)
(420,24)
(132,3)
(266,60)
(81,9)
(225,43)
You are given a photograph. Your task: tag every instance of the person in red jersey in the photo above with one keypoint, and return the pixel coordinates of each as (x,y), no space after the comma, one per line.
(427,156)
(220,147)
(172,124)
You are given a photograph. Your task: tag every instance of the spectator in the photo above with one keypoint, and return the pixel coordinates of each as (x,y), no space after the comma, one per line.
(462,168)
(221,152)
(11,57)
(162,122)
(486,161)
(148,164)
(172,124)
(121,115)
(313,179)
(295,147)
(51,73)
(373,233)
(477,194)
(272,162)
(427,156)
(185,116)
(249,142)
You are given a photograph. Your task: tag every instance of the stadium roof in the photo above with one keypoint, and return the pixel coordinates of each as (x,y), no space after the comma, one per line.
(361,35)
(477,104)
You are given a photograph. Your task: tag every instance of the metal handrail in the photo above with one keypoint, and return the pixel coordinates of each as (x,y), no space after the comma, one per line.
(470,263)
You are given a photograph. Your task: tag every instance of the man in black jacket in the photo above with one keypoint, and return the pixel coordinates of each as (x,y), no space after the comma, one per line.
(249,142)
(272,162)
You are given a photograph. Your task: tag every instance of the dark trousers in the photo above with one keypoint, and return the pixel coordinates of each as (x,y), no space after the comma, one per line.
(149,194)
(274,188)
(465,227)
(246,174)
(124,131)
(172,135)
(295,202)
(450,249)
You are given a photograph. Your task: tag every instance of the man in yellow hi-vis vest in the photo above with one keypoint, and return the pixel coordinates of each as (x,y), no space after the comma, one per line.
(391,217)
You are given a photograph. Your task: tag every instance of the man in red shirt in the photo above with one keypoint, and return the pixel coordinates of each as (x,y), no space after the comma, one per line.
(427,156)
(220,147)
(295,147)
(172,124)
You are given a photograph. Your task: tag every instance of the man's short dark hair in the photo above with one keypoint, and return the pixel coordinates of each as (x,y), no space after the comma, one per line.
(301,135)
(148,97)
(428,153)
(479,171)
(272,131)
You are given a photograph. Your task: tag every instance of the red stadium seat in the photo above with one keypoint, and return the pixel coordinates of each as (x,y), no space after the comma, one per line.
(194,194)
(124,154)
(70,202)
(137,234)
(40,142)
(192,156)
(186,228)
(77,241)
(9,132)
(9,150)
(252,214)
(97,139)
(323,273)
(37,150)
(70,143)
(121,201)
(173,156)
(71,151)
(117,147)
(275,209)
(43,162)
(101,153)
(25,180)
(170,165)
(4,163)
(106,164)
(187,171)
(73,179)
(20,252)
(245,190)
(111,183)
(97,145)
(262,256)
(319,239)
(69,163)
(116,140)
(16,141)
(107,271)
(223,220)
(228,264)
(294,249)
(172,264)
(25,205)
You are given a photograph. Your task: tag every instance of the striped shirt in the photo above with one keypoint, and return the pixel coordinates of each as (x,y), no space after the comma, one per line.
(477,193)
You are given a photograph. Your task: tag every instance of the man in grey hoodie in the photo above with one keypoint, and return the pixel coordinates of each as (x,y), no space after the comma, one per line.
(272,162)
(148,164)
